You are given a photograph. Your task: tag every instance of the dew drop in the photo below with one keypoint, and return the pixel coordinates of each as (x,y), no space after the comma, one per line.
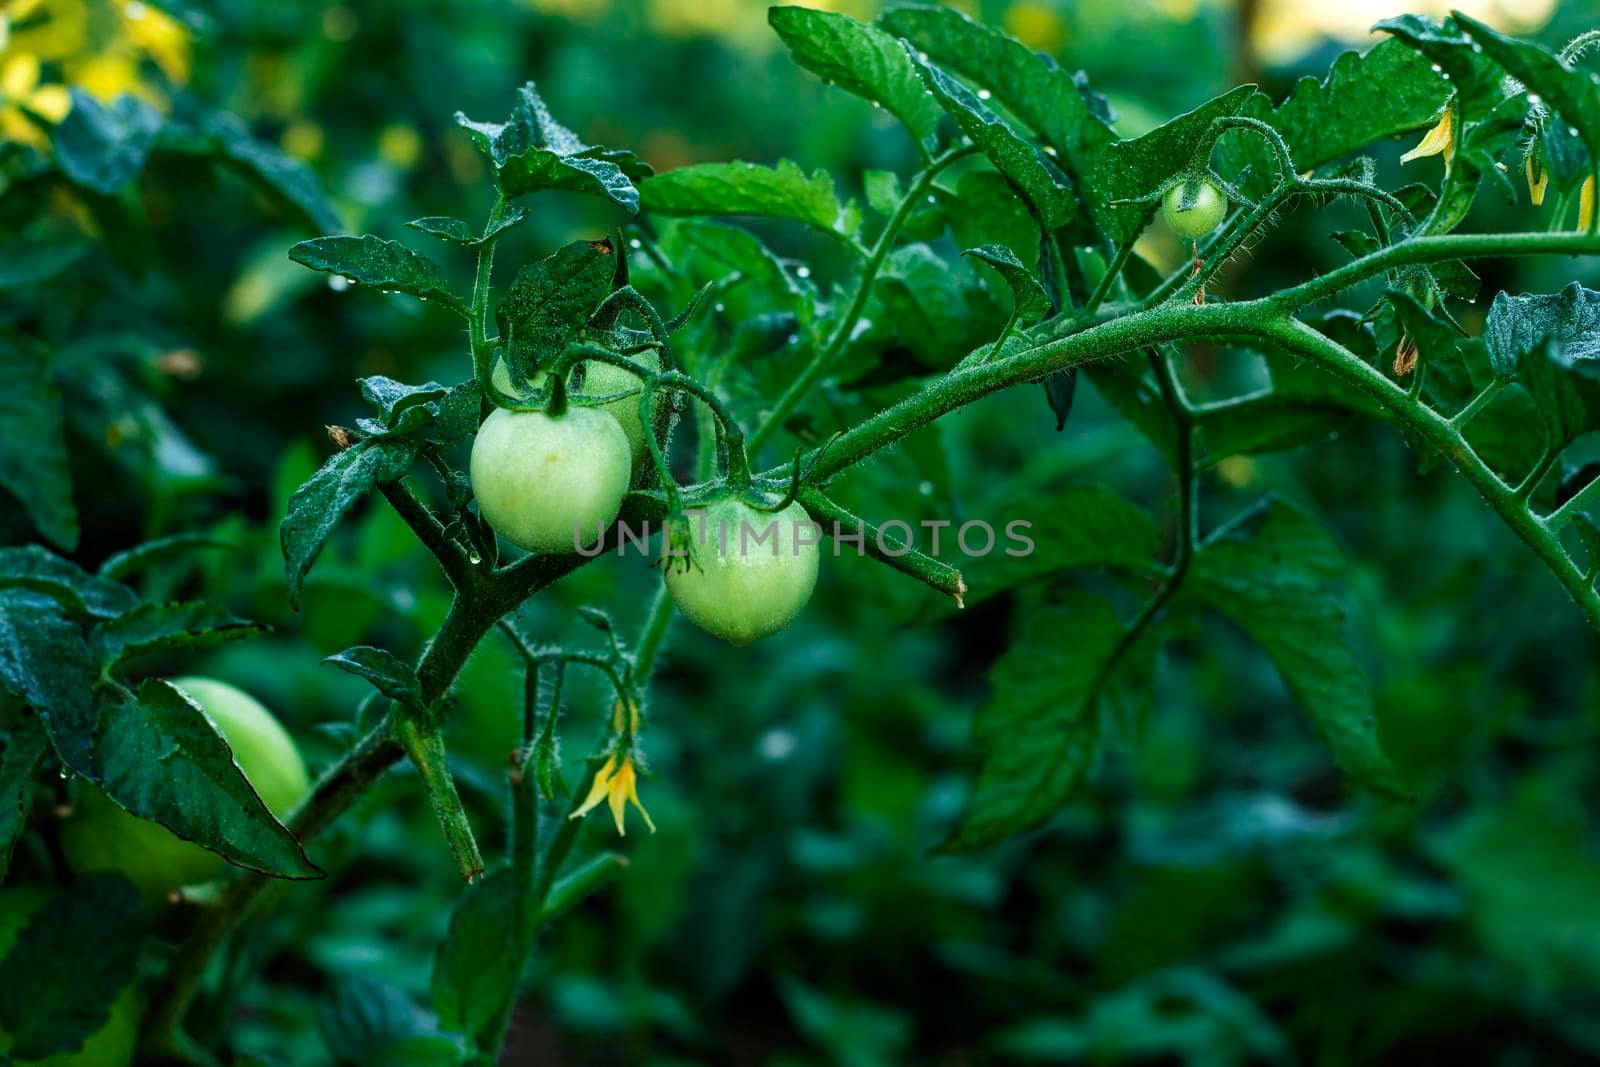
(878,104)
(1535,99)
(804,272)
(635,243)
(1446,77)
(1572,131)
(926,488)
(1049,149)
(474,558)
(718,307)
(984,94)
(922,56)
(1437,68)
(932,199)
(793,339)
(339,283)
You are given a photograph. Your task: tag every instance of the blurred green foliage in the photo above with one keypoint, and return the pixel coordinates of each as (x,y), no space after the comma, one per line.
(1215,896)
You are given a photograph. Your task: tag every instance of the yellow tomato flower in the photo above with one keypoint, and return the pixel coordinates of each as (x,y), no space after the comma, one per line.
(19,90)
(1586,204)
(617,784)
(158,35)
(1440,139)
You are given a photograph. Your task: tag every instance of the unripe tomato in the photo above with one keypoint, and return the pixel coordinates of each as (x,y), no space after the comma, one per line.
(1204,212)
(101,836)
(599,379)
(114,1043)
(548,483)
(753,570)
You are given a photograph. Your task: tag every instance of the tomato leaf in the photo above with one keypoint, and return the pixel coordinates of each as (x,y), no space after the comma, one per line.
(458,232)
(781,192)
(45,663)
(1031,301)
(476,970)
(550,300)
(1550,343)
(50,1000)
(1039,733)
(329,494)
(1271,571)
(24,749)
(861,59)
(141,557)
(388,673)
(371,1024)
(532,151)
(151,628)
(160,758)
(384,265)
(84,595)
(104,146)
(33,450)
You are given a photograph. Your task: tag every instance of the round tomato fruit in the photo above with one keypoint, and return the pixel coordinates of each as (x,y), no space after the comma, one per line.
(102,836)
(1194,207)
(599,379)
(752,570)
(114,1043)
(550,483)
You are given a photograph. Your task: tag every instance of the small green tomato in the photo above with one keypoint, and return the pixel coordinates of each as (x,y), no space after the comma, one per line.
(101,836)
(1205,211)
(550,483)
(599,379)
(753,570)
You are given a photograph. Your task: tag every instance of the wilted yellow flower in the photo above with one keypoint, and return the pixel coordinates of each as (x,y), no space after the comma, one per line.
(1440,139)
(1536,185)
(616,783)
(19,90)
(1586,204)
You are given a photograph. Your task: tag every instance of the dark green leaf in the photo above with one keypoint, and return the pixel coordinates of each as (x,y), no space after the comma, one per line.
(531,151)
(1060,387)
(45,663)
(1027,167)
(458,232)
(1572,93)
(24,748)
(104,147)
(137,559)
(783,192)
(388,673)
(153,628)
(325,498)
(1031,301)
(370,1024)
(31,260)
(1271,571)
(50,1000)
(1039,733)
(1471,72)
(860,59)
(83,594)
(279,175)
(1550,344)
(161,759)
(384,265)
(33,450)
(480,960)
(549,302)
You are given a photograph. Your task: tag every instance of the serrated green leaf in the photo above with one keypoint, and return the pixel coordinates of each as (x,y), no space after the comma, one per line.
(1472,75)
(1572,93)
(24,749)
(160,758)
(550,300)
(33,450)
(140,557)
(84,595)
(385,265)
(458,232)
(45,663)
(531,151)
(1026,166)
(152,628)
(1271,571)
(104,146)
(860,59)
(329,494)
(1027,292)
(1039,733)
(476,970)
(1550,343)
(388,673)
(783,192)
(49,1000)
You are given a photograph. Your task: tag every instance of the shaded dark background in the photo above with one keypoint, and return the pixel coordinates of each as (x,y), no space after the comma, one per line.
(1216,896)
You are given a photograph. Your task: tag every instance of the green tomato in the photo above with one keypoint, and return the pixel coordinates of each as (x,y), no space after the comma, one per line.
(102,836)
(114,1043)
(548,483)
(600,379)
(1204,212)
(753,571)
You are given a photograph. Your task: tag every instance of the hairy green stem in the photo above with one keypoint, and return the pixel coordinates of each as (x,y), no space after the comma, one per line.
(823,360)
(652,635)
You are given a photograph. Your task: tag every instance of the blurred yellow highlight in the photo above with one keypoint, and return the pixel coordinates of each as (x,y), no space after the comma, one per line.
(1285,30)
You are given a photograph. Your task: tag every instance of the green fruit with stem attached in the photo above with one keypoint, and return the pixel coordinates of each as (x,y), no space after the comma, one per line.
(1194,208)
(102,836)
(599,379)
(752,571)
(112,1045)
(550,483)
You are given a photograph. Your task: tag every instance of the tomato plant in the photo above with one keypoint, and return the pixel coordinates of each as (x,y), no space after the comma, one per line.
(1221,610)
